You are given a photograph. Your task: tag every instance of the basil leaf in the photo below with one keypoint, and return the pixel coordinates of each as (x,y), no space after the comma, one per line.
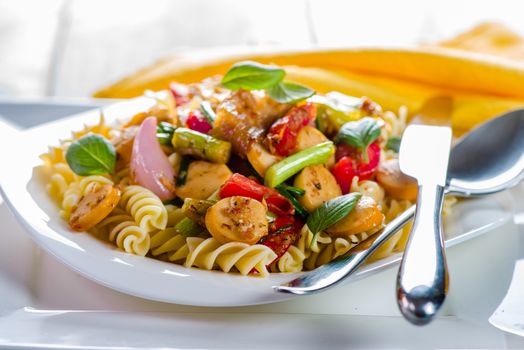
(285,92)
(331,212)
(91,155)
(359,134)
(252,76)
(394,143)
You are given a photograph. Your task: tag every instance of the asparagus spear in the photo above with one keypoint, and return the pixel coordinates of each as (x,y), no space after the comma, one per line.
(188,228)
(196,209)
(164,132)
(291,165)
(199,145)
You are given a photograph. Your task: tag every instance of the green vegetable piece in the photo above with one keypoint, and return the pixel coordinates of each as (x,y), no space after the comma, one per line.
(196,209)
(251,75)
(295,191)
(283,170)
(166,127)
(202,146)
(164,133)
(208,112)
(182,172)
(164,138)
(285,92)
(91,155)
(359,134)
(331,212)
(337,109)
(188,228)
(394,143)
(299,209)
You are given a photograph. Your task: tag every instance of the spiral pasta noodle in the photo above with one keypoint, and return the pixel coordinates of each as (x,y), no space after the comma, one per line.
(122,229)
(61,176)
(145,207)
(168,242)
(292,260)
(209,254)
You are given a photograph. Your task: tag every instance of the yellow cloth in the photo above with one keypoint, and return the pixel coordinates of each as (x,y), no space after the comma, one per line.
(482,69)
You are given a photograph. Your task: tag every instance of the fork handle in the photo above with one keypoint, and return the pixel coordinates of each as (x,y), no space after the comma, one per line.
(422,281)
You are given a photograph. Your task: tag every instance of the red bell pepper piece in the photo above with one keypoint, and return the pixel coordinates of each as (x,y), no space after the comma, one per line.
(350,164)
(239,185)
(283,232)
(197,122)
(282,136)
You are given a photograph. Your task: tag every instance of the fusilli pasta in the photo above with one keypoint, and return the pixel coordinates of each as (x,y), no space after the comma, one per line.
(145,207)
(121,228)
(209,253)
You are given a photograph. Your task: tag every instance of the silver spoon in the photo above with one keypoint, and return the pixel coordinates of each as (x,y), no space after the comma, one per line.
(488,159)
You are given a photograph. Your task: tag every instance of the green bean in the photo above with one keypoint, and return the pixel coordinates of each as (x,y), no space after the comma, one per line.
(291,165)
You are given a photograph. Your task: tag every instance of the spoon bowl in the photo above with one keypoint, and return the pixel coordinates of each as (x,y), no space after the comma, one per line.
(488,159)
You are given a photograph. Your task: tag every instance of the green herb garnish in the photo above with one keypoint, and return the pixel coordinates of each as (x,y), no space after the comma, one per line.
(394,143)
(285,92)
(359,134)
(251,75)
(331,212)
(91,155)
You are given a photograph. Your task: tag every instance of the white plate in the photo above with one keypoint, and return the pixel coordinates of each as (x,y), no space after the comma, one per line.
(25,193)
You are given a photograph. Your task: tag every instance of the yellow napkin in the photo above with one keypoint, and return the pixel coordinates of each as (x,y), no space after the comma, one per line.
(482,69)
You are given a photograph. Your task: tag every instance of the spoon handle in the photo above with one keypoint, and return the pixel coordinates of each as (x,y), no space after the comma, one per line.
(422,281)
(336,271)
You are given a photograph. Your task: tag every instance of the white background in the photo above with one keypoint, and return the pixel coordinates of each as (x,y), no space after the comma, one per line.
(73,47)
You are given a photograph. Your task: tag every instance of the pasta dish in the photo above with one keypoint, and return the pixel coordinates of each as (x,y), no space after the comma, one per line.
(245,173)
